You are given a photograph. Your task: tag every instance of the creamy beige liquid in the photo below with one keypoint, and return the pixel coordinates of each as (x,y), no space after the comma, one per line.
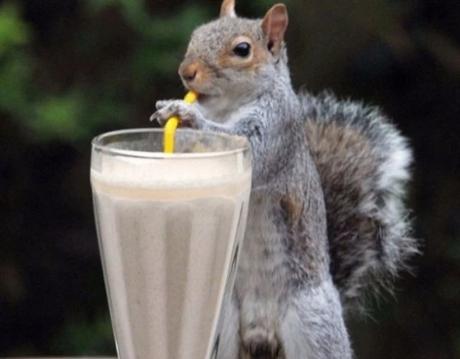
(168,250)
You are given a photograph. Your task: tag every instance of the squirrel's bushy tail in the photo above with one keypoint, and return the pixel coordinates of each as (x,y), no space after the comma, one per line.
(363,162)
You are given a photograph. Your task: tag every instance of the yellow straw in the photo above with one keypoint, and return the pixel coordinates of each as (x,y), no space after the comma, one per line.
(172,123)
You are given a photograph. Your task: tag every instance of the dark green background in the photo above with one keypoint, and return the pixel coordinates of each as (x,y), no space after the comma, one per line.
(70,70)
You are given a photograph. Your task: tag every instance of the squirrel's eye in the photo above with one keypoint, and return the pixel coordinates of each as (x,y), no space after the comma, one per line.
(243,49)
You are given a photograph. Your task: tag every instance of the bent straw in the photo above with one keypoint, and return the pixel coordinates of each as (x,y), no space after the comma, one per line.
(172,123)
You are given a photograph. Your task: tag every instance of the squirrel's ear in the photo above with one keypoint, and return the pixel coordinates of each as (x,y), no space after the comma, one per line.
(228,8)
(274,26)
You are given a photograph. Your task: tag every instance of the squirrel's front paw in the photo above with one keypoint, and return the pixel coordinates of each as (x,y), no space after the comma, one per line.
(188,113)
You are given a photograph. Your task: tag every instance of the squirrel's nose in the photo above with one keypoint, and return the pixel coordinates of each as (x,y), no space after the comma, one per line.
(188,72)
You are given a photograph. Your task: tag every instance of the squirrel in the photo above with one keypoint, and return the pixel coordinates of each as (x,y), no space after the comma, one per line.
(327,221)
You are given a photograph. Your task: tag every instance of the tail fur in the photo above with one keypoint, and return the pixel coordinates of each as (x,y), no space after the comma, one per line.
(363,162)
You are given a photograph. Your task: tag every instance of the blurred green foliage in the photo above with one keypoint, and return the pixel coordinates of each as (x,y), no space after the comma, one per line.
(71,69)
(13,31)
(149,48)
(14,62)
(85,338)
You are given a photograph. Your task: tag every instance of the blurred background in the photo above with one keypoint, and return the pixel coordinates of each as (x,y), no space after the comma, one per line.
(71,69)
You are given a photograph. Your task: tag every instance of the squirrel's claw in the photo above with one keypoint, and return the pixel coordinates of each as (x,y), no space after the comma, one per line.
(162,103)
(153,117)
(156,116)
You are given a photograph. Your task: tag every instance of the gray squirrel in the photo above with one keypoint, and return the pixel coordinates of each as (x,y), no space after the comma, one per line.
(327,221)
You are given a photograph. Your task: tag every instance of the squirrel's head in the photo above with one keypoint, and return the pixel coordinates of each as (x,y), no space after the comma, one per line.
(236,57)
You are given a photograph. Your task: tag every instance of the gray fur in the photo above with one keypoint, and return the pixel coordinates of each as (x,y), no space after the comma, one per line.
(363,163)
(286,301)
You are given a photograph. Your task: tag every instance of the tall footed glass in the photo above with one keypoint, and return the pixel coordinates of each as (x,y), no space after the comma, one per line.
(170,227)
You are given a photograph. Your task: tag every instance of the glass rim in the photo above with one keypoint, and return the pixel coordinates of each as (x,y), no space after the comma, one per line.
(96,144)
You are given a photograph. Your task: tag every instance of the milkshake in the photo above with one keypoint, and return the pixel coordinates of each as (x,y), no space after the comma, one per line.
(170,227)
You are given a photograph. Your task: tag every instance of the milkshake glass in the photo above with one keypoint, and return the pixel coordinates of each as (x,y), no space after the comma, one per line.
(170,228)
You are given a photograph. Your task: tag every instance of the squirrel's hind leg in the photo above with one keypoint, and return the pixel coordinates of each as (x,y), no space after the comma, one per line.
(313,326)
(259,337)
